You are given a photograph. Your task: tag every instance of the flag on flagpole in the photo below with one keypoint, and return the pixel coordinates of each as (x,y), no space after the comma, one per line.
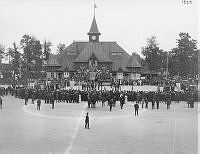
(95,6)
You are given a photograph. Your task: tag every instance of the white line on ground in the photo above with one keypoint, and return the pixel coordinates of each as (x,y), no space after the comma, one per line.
(81,117)
(75,118)
(76,130)
(174,137)
(47,116)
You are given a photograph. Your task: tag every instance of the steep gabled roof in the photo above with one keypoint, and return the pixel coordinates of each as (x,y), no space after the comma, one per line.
(120,61)
(110,47)
(75,47)
(93,48)
(94,29)
(107,48)
(133,62)
(53,61)
(66,61)
(102,51)
(120,70)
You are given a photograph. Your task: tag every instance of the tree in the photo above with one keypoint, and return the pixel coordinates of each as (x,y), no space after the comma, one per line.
(154,56)
(61,48)
(2,52)
(8,54)
(32,56)
(16,62)
(184,57)
(46,50)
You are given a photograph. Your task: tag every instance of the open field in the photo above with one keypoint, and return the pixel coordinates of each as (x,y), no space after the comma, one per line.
(23,129)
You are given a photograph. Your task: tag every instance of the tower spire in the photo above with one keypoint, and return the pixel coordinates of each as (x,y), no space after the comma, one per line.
(94,31)
(94,28)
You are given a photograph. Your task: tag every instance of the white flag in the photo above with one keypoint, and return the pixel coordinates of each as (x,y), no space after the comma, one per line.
(95,6)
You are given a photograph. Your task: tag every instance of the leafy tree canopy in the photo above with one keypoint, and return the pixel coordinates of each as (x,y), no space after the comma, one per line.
(184,57)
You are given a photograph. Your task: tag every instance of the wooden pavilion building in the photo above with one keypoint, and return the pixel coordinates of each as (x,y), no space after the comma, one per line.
(94,60)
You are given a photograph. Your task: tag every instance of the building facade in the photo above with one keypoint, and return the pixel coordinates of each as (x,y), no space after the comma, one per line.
(94,60)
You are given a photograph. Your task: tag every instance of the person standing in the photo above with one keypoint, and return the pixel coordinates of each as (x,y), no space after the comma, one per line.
(87,121)
(168,98)
(122,100)
(157,99)
(146,103)
(1,102)
(168,104)
(143,101)
(38,104)
(136,106)
(157,104)
(89,99)
(52,101)
(153,103)
(111,104)
(26,99)
(33,97)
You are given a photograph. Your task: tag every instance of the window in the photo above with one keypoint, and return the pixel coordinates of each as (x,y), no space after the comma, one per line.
(52,74)
(66,74)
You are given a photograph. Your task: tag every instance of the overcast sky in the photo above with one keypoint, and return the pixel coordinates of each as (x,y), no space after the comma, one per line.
(128,22)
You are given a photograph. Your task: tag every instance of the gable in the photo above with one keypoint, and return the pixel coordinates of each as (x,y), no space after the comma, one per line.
(90,49)
(133,62)
(53,61)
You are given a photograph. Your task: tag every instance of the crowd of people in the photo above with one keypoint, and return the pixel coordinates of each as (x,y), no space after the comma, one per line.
(103,96)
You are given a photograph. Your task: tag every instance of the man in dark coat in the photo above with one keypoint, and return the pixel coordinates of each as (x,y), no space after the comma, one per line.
(1,102)
(87,121)
(52,100)
(136,106)
(33,97)
(168,99)
(157,104)
(153,103)
(146,103)
(111,104)
(38,104)
(191,100)
(26,98)
(89,99)
(122,100)
(157,99)
(143,101)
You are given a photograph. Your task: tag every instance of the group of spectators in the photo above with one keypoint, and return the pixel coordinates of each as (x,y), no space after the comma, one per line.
(94,96)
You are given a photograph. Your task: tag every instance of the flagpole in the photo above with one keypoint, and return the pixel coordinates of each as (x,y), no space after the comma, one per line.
(94,7)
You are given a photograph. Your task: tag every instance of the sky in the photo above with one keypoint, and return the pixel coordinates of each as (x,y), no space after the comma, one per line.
(128,22)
